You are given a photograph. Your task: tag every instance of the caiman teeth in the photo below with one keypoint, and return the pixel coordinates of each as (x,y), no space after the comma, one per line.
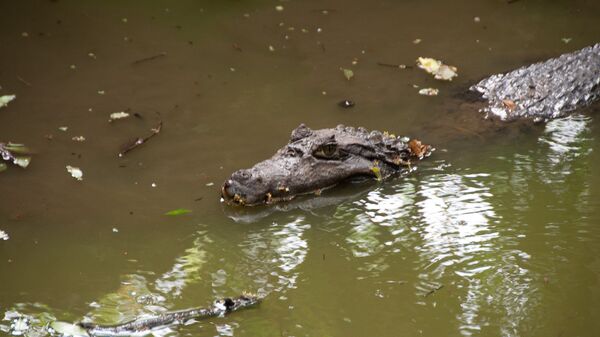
(238,199)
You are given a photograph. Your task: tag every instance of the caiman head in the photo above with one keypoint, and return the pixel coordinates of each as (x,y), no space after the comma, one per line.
(314,160)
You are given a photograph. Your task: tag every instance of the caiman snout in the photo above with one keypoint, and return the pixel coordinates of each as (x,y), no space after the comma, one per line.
(243,188)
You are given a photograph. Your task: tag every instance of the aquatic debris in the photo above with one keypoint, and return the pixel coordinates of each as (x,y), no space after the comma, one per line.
(429,92)
(3,167)
(149,58)
(3,235)
(377,172)
(179,211)
(22,80)
(417,41)
(509,104)
(346,103)
(348,73)
(399,66)
(566,39)
(139,141)
(439,70)
(75,172)
(4,100)
(279,8)
(417,148)
(63,128)
(118,115)
(16,153)
(432,291)
(78,139)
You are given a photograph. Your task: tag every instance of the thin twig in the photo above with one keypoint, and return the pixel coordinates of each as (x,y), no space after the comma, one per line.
(139,141)
(23,81)
(432,291)
(149,58)
(322,45)
(399,66)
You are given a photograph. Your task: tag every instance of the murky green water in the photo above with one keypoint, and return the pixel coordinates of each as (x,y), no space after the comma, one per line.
(496,234)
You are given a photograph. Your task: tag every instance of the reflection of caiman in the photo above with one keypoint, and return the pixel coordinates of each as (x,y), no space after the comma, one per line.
(318,159)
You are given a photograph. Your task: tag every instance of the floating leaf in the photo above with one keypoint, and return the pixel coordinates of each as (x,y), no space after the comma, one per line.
(68,329)
(429,92)
(439,70)
(3,235)
(179,211)
(22,161)
(348,73)
(417,148)
(63,128)
(509,104)
(78,139)
(17,148)
(75,172)
(377,172)
(118,115)
(4,100)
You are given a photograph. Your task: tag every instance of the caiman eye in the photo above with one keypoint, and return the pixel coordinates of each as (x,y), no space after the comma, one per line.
(327,151)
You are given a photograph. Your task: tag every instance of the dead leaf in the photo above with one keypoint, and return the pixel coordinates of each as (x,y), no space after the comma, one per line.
(75,172)
(429,92)
(348,73)
(509,104)
(417,148)
(439,70)
(4,100)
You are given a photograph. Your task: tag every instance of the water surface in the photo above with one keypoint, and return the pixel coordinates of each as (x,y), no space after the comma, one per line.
(496,234)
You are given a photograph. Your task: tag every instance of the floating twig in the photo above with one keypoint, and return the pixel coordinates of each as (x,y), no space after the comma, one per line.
(323,11)
(149,58)
(432,291)
(322,45)
(139,141)
(23,81)
(399,66)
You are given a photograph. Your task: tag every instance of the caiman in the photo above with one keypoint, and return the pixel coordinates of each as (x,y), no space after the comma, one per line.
(140,326)
(314,160)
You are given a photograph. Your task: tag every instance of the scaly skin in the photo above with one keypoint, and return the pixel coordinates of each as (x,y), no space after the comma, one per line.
(314,160)
(219,308)
(544,90)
